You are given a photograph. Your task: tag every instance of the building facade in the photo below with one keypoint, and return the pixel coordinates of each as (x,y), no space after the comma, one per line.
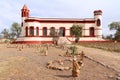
(37,30)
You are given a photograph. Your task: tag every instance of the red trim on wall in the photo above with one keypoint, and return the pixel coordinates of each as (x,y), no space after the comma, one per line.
(58,21)
(92,36)
(37,36)
(32,42)
(96,41)
(94,29)
(88,29)
(98,29)
(50,42)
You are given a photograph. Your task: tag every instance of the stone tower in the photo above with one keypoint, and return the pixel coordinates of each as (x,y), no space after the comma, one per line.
(98,23)
(24,14)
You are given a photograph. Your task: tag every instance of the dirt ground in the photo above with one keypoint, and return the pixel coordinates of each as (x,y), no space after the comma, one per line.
(29,64)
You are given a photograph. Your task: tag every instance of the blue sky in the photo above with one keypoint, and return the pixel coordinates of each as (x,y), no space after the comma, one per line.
(10,10)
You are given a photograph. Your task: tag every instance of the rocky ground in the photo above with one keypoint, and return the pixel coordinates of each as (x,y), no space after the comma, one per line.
(30,64)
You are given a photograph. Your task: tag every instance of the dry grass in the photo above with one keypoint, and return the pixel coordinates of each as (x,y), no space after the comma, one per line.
(110,46)
(30,64)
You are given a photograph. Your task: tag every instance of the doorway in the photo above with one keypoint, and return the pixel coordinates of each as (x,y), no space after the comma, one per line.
(92,32)
(62,32)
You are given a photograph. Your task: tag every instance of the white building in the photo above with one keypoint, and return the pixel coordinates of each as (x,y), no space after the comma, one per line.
(37,30)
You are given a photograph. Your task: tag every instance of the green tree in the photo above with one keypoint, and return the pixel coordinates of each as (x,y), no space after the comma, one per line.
(110,37)
(115,26)
(12,35)
(117,35)
(5,33)
(76,30)
(16,30)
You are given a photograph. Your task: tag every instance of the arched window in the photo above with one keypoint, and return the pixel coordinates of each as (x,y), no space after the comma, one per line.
(44,31)
(52,32)
(62,31)
(37,31)
(31,31)
(98,22)
(26,31)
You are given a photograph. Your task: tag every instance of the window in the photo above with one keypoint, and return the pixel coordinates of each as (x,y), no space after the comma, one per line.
(62,31)
(37,31)
(44,31)
(98,22)
(26,31)
(31,31)
(52,31)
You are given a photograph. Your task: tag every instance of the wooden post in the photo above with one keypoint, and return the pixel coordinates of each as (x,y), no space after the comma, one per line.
(75,71)
(82,56)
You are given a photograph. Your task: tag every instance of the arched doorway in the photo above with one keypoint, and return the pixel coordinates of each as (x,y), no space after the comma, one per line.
(37,31)
(31,31)
(92,32)
(26,31)
(62,31)
(44,31)
(52,32)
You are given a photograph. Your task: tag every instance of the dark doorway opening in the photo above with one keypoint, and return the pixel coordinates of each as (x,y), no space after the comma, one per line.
(62,31)
(92,32)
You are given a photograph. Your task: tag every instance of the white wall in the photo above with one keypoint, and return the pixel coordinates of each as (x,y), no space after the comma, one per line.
(57,26)
(87,27)
(98,28)
(85,31)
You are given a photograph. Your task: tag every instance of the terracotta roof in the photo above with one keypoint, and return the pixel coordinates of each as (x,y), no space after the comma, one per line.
(25,7)
(97,11)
